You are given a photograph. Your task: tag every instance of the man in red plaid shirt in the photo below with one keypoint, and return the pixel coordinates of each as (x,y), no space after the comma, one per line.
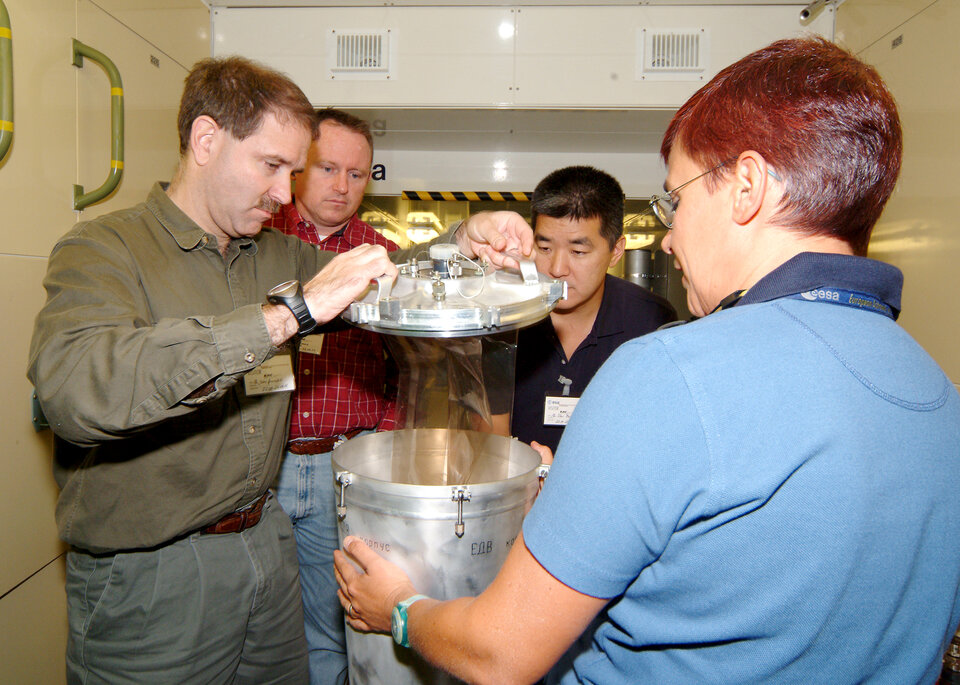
(340,380)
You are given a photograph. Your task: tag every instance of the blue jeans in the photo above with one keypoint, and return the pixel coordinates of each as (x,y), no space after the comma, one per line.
(204,609)
(306,490)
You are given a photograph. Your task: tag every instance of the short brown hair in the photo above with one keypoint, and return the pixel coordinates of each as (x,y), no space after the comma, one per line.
(823,120)
(347,120)
(237,93)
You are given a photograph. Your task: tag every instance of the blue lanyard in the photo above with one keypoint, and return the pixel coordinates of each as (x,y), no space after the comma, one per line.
(848,298)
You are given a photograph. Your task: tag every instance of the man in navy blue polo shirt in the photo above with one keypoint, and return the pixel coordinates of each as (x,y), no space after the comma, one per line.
(577,219)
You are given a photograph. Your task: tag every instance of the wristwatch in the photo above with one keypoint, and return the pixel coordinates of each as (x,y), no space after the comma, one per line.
(290,295)
(398,620)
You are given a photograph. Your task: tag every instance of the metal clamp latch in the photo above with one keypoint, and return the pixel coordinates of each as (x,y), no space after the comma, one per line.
(542,471)
(344,478)
(460,495)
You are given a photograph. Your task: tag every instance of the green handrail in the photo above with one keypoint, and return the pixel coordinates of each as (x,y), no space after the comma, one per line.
(81,199)
(6,82)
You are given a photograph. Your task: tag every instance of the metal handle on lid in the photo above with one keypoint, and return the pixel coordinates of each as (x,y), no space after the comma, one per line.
(384,286)
(528,268)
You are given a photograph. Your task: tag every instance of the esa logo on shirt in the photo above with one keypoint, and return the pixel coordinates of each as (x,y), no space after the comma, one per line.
(814,295)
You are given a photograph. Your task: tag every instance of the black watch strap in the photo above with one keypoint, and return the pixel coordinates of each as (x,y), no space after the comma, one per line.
(290,294)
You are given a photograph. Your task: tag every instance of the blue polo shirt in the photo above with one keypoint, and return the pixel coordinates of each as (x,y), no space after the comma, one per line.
(626,312)
(768,494)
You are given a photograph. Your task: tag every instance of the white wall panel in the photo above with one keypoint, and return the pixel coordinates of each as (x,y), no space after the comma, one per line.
(41,160)
(28,536)
(866,21)
(37,173)
(33,623)
(151,98)
(467,56)
(446,54)
(918,230)
(587,57)
(180,29)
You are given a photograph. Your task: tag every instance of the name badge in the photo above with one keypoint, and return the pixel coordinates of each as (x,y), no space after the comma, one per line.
(274,375)
(557,410)
(311,344)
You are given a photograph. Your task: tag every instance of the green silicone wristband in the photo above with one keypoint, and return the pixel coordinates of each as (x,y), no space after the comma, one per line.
(398,620)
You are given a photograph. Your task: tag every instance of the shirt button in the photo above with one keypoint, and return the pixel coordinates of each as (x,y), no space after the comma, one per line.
(249,357)
(252,429)
(306,372)
(306,415)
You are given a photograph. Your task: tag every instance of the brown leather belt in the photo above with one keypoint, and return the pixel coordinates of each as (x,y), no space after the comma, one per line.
(321,445)
(238,521)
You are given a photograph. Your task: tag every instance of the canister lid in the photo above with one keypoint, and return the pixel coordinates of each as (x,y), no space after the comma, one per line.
(453,296)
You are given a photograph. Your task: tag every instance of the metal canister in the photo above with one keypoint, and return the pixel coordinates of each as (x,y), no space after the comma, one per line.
(444,505)
(638,267)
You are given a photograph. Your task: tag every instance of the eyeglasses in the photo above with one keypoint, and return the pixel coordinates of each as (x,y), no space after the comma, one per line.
(665,206)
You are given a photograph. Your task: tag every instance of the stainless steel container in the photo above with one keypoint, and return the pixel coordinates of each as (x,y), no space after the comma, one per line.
(638,267)
(444,505)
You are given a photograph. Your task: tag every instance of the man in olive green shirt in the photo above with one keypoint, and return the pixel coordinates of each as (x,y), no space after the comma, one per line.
(164,374)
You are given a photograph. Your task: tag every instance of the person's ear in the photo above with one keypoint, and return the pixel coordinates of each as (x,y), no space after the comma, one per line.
(204,133)
(617,252)
(749,186)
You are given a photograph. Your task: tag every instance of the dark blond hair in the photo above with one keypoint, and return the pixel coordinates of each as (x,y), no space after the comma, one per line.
(347,120)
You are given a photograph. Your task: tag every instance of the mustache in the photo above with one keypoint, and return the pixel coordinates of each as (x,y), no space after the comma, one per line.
(268,205)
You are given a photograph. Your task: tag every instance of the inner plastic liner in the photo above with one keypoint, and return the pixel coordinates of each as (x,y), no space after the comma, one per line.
(458,383)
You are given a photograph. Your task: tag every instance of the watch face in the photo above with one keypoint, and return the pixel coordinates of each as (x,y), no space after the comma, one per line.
(285,289)
(396,627)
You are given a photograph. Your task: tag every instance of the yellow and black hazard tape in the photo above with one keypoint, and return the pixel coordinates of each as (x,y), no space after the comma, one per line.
(466,197)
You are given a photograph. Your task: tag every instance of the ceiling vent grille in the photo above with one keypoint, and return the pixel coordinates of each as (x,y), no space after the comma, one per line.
(672,54)
(361,54)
